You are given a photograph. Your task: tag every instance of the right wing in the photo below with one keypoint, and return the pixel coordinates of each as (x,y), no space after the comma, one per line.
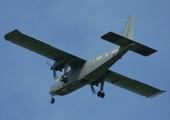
(41,48)
(132,85)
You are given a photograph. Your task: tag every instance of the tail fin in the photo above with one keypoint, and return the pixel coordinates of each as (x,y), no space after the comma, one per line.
(126,39)
(128,30)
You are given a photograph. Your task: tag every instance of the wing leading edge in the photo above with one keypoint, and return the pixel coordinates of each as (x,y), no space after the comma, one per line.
(132,85)
(41,48)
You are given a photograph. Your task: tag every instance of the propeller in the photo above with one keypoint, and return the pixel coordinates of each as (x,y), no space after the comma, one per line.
(54,72)
(93,90)
(47,63)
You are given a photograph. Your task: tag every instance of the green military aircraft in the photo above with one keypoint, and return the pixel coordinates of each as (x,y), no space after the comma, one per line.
(93,71)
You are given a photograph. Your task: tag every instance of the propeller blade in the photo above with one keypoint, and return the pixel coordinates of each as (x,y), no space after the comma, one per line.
(54,74)
(47,63)
(93,90)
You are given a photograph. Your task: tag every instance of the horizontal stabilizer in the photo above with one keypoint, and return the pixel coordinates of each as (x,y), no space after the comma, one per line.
(122,41)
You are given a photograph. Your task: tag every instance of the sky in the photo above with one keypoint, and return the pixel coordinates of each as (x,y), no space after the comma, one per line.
(76,27)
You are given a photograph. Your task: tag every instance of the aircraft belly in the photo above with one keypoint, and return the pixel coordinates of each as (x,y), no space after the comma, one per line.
(68,88)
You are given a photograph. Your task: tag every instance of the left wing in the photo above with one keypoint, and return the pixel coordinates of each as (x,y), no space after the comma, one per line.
(41,48)
(132,85)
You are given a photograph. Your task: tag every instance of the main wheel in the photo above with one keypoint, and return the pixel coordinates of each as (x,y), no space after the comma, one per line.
(101,94)
(65,80)
(62,79)
(52,100)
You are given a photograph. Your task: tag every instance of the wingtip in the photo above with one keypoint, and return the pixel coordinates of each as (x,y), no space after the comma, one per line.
(11,35)
(158,93)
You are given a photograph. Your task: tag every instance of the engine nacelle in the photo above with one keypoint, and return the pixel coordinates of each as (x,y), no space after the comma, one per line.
(59,64)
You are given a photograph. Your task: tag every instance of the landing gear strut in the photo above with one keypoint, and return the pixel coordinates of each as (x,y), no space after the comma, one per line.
(64,77)
(100,93)
(52,100)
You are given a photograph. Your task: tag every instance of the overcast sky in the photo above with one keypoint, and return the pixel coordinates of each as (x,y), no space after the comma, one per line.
(76,27)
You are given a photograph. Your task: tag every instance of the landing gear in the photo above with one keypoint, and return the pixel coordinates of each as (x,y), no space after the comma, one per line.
(52,100)
(101,94)
(64,79)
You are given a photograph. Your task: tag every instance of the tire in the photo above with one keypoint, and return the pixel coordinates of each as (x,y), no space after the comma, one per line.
(52,100)
(102,95)
(65,80)
(99,94)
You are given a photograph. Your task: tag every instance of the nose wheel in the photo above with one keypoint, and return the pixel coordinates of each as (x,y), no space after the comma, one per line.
(52,100)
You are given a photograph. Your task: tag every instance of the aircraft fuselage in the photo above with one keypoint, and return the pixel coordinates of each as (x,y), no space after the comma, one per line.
(90,72)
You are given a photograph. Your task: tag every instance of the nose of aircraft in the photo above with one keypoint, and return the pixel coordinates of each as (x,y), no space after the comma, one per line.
(52,90)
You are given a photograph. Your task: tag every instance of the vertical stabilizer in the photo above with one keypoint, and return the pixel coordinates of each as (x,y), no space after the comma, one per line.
(128,30)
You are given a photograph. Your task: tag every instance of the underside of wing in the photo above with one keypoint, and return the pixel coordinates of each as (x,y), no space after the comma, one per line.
(132,85)
(41,48)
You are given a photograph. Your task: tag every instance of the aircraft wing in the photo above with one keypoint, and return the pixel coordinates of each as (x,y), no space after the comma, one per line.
(132,85)
(41,48)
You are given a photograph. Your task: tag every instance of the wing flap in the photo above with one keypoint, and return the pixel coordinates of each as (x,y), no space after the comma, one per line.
(41,48)
(132,85)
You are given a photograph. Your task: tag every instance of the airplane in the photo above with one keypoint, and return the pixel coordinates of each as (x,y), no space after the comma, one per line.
(91,72)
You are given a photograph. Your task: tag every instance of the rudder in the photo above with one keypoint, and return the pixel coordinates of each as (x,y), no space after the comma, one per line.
(128,30)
